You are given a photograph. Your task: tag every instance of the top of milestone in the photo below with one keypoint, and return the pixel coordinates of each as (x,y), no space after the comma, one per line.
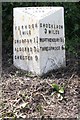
(39,12)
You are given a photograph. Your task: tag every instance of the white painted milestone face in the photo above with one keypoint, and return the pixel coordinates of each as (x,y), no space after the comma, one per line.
(39,40)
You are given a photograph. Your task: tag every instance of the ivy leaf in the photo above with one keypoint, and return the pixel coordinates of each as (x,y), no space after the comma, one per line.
(61,90)
(60,97)
(56,87)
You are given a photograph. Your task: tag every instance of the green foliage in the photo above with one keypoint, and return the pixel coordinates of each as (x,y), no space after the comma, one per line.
(55,87)
(59,90)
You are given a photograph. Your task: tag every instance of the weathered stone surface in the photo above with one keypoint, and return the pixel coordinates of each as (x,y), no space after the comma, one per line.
(39,40)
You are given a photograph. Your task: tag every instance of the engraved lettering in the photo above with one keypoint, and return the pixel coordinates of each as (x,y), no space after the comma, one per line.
(36,57)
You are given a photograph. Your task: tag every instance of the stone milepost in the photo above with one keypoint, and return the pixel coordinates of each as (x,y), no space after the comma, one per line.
(38,38)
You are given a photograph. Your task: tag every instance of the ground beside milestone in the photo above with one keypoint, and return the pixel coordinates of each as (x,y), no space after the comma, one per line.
(26,96)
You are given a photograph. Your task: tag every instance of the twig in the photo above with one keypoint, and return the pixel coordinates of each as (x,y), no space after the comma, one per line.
(71,77)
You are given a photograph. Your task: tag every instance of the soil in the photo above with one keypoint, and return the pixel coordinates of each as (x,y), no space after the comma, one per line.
(26,96)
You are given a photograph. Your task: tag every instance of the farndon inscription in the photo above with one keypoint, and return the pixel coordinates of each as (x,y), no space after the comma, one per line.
(38,43)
